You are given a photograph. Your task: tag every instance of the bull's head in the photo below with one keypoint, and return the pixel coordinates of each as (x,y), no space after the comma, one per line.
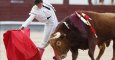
(60,43)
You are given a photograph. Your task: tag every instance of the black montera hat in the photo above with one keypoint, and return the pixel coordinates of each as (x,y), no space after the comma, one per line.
(37,1)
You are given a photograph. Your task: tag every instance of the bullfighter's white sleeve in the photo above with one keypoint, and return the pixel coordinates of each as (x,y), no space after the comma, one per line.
(29,20)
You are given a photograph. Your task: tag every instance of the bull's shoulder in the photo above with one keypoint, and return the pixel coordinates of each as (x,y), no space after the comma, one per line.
(102,18)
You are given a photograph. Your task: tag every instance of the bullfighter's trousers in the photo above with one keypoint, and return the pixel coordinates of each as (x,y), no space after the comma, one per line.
(48,30)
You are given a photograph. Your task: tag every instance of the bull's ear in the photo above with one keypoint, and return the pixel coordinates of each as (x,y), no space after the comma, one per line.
(58,43)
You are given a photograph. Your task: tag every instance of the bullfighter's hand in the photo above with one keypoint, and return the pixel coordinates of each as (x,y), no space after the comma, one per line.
(21,28)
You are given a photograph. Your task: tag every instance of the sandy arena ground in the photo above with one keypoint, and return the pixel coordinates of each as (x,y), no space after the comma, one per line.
(48,54)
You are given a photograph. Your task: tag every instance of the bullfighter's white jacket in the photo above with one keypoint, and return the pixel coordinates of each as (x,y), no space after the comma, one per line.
(42,14)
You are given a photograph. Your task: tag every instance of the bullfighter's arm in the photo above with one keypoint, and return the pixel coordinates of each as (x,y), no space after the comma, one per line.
(28,21)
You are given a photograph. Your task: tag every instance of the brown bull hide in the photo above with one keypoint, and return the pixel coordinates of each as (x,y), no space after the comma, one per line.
(104,25)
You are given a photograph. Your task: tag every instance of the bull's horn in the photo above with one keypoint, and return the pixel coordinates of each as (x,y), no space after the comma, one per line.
(56,35)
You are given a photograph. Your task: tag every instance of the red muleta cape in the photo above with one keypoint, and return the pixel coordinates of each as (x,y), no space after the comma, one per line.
(19,46)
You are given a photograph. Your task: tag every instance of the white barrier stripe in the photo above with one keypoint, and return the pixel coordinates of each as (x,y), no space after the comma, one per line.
(20,22)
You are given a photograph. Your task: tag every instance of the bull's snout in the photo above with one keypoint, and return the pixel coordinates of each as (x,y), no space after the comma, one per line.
(63,56)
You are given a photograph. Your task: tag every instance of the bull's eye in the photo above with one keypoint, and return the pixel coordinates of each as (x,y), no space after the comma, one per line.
(58,43)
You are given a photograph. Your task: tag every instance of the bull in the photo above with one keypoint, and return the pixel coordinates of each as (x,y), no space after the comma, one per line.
(67,37)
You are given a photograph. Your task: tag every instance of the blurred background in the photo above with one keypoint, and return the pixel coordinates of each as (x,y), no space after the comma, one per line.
(18,10)
(14,12)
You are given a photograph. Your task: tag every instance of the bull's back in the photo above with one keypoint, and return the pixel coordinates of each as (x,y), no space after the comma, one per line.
(108,18)
(103,24)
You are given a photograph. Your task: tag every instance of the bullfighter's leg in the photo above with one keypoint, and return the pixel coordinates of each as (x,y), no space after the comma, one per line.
(92,44)
(102,49)
(48,30)
(74,53)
